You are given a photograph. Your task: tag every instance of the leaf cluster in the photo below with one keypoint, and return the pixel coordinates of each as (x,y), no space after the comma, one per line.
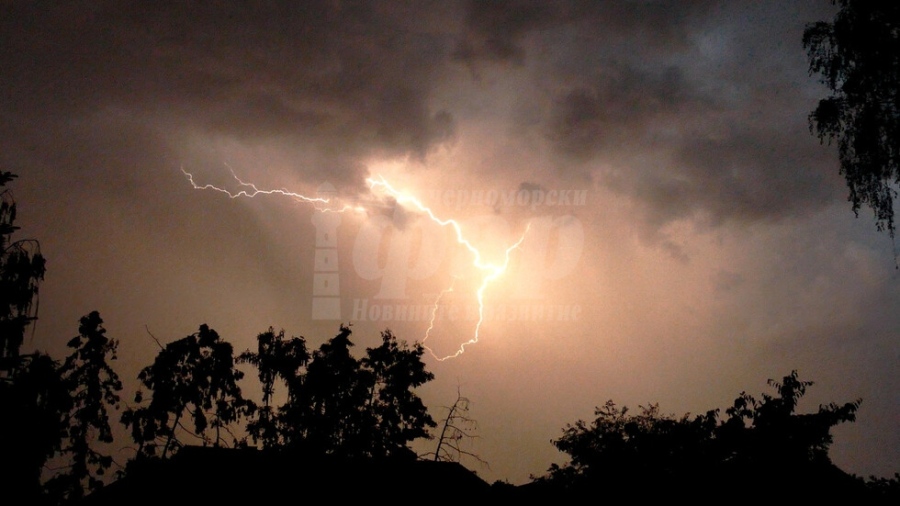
(22,269)
(857,56)
(648,446)
(337,404)
(33,399)
(193,378)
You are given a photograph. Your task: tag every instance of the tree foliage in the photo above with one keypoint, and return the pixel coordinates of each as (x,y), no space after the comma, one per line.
(755,439)
(193,378)
(857,56)
(333,418)
(276,359)
(400,417)
(21,270)
(337,404)
(94,388)
(33,400)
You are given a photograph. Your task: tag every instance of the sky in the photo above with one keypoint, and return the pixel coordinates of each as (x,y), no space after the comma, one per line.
(681,236)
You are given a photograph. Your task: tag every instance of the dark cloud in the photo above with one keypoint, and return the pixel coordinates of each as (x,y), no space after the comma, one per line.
(493,30)
(496,31)
(347,78)
(620,105)
(750,175)
(691,115)
(741,173)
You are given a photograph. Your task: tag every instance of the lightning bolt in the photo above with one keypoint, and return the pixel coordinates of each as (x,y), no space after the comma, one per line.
(434,309)
(491,271)
(251,191)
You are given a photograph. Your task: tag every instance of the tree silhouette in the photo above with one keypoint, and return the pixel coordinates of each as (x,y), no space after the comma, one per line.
(337,404)
(334,395)
(21,270)
(618,447)
(32,397)
(456,428)
(33,401)
(94,387)
(768,432)
(399,414)
(194,377)
(277,358)
(758,439)
(857,56)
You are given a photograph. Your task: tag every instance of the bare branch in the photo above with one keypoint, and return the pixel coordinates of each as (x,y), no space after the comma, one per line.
(147,328)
